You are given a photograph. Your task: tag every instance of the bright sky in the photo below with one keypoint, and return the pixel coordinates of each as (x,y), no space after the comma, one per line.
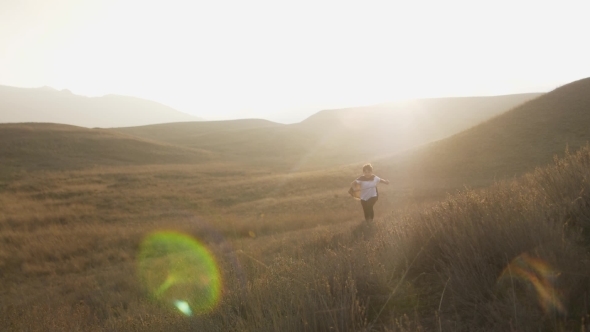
(283,60)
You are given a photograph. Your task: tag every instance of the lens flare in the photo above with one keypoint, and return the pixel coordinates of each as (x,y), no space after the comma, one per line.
(184,307)
(176,269)
(539,274)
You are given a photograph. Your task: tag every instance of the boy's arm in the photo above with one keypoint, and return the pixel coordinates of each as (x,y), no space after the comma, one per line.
(384,181)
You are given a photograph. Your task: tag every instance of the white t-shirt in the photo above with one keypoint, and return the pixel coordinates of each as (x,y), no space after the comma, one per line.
(369,188)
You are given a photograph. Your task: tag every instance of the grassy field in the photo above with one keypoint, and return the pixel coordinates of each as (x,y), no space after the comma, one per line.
(509,252)
(299,261)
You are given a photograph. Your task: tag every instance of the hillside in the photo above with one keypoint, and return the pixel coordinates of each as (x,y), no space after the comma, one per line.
(505,146)
(61,147)
(49,105)
(334,137)
(191,133)
(396,126)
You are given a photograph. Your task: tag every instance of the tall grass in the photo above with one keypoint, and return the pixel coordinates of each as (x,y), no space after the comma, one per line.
(510,257)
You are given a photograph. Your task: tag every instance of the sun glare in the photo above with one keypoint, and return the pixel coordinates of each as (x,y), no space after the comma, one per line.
(260,58)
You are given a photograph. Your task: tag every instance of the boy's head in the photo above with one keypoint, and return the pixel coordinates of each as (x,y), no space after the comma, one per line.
(367,169)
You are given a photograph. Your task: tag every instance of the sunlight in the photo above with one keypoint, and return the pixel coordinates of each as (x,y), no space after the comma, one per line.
(255,59)
(468,121)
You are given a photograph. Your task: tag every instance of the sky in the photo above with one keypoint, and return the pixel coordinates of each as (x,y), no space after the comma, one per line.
(285,60)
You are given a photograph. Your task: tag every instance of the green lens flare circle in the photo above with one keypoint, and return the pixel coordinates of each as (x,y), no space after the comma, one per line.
(179,271)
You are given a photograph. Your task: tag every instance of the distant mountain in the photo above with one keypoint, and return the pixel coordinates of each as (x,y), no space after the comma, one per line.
(334,137)
(508,145)
(42,146)
(49,105)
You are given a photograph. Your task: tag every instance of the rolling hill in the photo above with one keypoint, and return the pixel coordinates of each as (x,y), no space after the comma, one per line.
(394,127)
(61,147)
(49,105)
(334,137)
(508,145)
(192,133)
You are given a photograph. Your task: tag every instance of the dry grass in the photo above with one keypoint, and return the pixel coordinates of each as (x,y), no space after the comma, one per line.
(69,241)
(293,253)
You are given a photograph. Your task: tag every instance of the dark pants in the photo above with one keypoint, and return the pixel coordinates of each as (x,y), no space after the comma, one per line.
(368,207)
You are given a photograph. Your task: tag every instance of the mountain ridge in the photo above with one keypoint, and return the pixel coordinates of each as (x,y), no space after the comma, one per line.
(48,105)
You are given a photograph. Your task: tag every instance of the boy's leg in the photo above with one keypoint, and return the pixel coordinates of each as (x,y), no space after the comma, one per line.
(366,209)
(371,202)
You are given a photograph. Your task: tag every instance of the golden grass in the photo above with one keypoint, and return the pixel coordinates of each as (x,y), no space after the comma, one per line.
(293,256)
(293,252)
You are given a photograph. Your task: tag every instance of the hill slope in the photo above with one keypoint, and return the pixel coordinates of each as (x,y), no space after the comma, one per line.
(334,137)
(393,127)
(508,145)
(49,105)
(62,147)
(192,133)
